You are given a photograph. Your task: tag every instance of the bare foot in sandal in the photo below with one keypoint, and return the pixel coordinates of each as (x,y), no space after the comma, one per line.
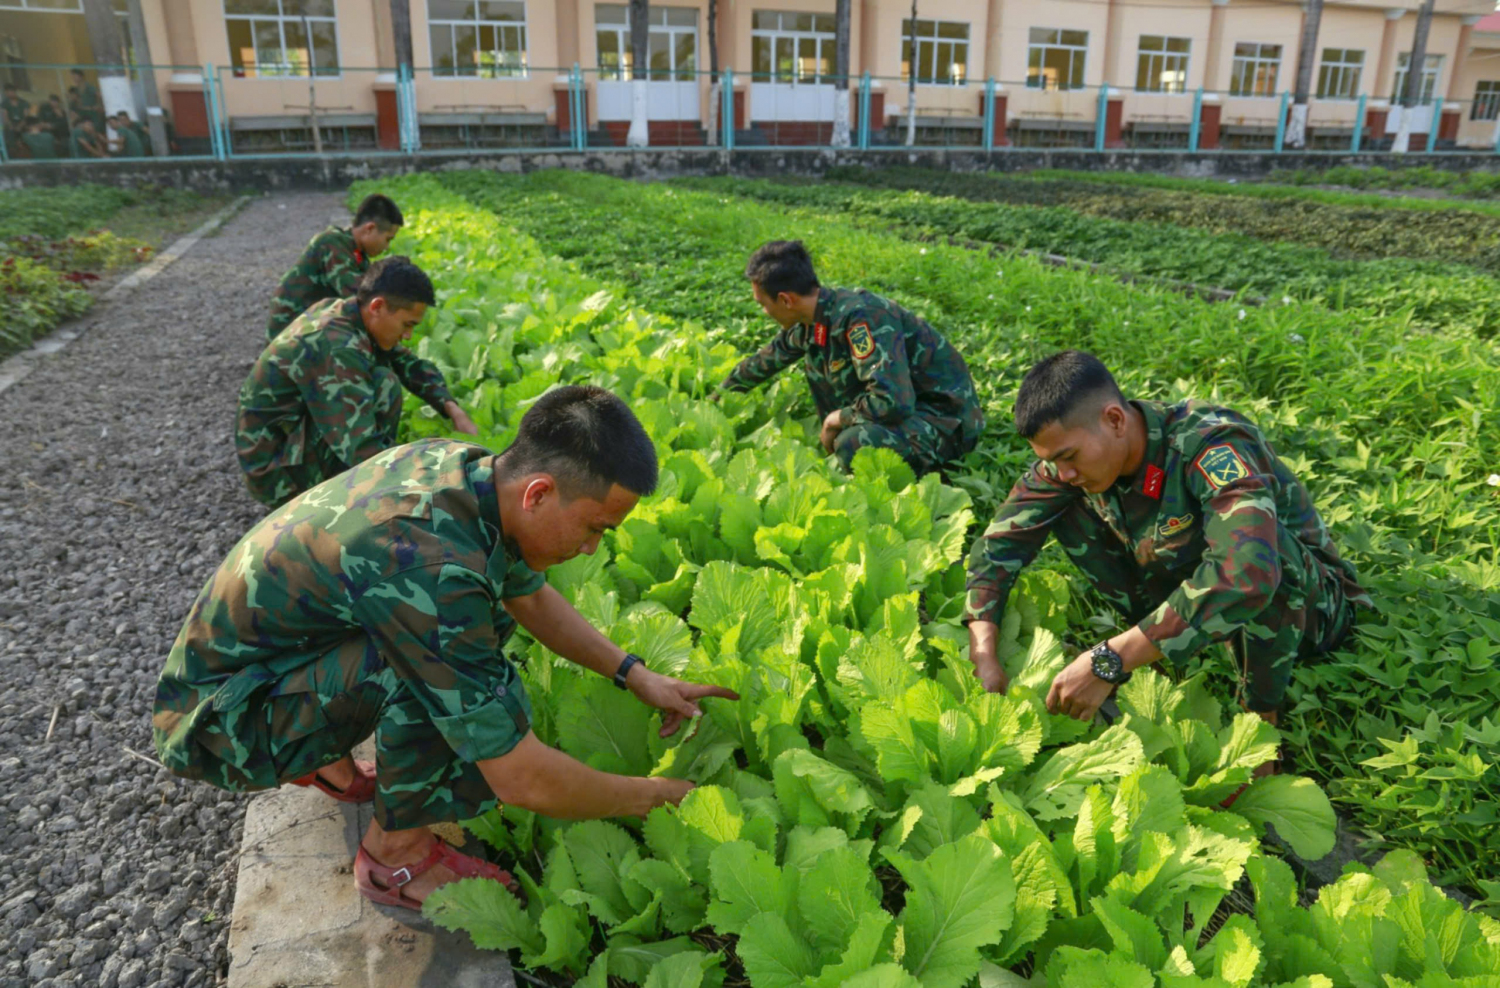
(403,867)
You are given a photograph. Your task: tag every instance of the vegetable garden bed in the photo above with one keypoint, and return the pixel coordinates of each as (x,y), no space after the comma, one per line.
(869,817)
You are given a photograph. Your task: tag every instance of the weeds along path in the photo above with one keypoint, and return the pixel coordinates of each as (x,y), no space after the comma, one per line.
(119,494)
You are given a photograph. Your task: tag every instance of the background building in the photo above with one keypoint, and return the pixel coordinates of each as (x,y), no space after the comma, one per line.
(495,72)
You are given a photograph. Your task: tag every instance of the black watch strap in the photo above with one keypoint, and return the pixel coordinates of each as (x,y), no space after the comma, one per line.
(631,659)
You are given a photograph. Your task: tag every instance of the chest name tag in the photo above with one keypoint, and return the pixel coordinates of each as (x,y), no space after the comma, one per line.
(1151,486)
(861,343)
(1175,526)
(820,334)
(1221,465)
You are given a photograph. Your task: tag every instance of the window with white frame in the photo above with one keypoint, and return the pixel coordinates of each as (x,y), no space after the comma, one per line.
(484,38)
(1161,64)
(1486,100)
(282,38)
(1432,67)
(671,45)
(791,47)
(942,52)
(1255,69)
(63,6)
(1338,75)
(1055,59)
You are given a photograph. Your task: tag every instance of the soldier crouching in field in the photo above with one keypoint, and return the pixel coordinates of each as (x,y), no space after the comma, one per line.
(381,601)
(1183,518)
(334,261)
(880,376)
(327,393)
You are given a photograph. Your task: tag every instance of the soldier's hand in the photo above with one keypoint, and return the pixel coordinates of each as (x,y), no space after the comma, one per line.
(671,790)
(1076,691)
(991,675)
(674,697)
(832,426)
(461,420)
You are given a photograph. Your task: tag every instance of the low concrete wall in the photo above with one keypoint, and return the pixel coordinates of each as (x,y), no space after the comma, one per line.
(335,172)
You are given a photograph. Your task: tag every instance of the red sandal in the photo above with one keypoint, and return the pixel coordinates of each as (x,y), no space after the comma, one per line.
(361,790)
(382,884)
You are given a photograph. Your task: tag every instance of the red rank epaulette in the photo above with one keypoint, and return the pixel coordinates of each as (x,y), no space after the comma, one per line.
(1151,486)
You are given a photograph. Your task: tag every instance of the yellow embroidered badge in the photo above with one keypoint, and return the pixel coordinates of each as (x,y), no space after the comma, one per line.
(861,343)
(1221,465)
(1174,526)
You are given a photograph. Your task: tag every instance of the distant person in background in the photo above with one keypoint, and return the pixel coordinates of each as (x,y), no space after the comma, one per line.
(334,261)
(39,140)
(55,116)
(13,118)
(127,143)
(90,105)
(87,142)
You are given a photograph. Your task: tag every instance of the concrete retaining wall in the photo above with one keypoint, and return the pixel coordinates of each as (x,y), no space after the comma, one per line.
(335,172)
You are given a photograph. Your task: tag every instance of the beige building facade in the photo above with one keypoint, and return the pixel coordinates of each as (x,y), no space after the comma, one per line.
(500,69)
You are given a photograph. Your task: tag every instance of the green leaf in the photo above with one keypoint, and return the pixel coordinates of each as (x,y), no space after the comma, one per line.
(817,793)
(883,975)
(774,956)
(1055,790)
(684,970)
(566,933)
(487,911)
(1296,807)
(833,895)
(746,882)
(604,727)
(1071,967)
(869,943)
(600,853)
(1237,951)
(1135,935)
(961,898)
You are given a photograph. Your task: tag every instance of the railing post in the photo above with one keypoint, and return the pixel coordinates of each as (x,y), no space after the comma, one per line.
(1359,126)
(1101,113)
(989,114)
(1281,121)
(1437,121)
(573,101)
(216,137)
(864,112)
(728,97)
(1197,125)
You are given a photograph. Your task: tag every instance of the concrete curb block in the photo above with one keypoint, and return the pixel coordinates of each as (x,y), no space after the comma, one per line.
(16,368)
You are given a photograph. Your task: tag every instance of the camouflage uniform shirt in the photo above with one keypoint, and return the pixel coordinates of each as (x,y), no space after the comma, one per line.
(407,551)
(330,267)
(875,362)
(321,398)
(1216,523)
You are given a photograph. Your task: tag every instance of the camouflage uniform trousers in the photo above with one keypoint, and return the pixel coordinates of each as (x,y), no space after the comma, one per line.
(1300,624)
(921,444)
(316,462)
(316,714)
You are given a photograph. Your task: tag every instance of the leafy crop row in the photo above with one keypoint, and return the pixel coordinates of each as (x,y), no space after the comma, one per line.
(1425,294)
(1393,431)
(1461,236)
(866,816)
(1479,185)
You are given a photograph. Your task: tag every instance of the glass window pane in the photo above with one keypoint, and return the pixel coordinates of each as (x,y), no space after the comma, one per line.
(465,48)
(241,46)
(764,20)
(325,48)
(1151,42)
(1075,39)
(686,54)
(268,56)
(826,59)
(906,58)
(450,10)
(1042,35)
(825,23)
(798,22)
(681,16)
(786,59)
(441,36)
(659,53)
(502,10)
(760,57)
(610,13)
(310,8)
(1244,49)
(1143,73)
(1179,44)
(262,7)
(953,29)
(489,39)
(807,59)
(924,62)
(942,63)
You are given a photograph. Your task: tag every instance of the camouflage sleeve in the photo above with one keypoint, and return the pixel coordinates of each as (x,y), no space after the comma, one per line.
(880,362)
(521,580)
(341,269)
(420,377)
(435,627)
(784,350)
(1013,539)
(339,391)
(1241,566)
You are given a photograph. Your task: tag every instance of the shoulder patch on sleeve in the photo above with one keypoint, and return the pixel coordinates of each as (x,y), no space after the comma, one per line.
(861,343)
(1221,465)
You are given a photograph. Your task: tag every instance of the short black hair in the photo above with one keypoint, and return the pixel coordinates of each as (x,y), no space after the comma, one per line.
(380,210)
(587,439)
(126,115)
(782,266)
(1059,387)
(397,280)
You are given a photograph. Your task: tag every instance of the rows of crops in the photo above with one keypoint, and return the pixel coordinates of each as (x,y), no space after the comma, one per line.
(868,817)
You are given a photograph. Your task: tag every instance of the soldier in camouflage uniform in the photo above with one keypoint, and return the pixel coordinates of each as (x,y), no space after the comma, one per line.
(381,601)
(1185,521)
(334,261)
(880,376)
(326,394)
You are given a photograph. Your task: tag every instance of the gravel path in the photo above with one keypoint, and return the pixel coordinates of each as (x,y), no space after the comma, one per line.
(119,495)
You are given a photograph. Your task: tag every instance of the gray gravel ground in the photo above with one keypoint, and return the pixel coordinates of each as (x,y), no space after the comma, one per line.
(119,495)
